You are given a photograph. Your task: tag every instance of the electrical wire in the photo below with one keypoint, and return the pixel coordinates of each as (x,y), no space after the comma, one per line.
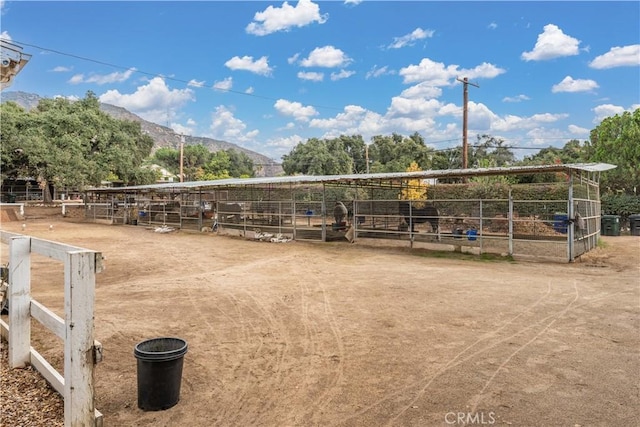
(147,73)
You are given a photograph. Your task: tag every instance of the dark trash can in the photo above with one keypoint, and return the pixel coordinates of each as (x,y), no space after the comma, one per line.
(634,225)
(560,222)
(610,225)
(159,372)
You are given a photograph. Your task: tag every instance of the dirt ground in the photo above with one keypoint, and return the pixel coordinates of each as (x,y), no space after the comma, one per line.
(339,334)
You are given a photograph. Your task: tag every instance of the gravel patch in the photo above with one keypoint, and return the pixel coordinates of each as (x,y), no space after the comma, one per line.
(26,399)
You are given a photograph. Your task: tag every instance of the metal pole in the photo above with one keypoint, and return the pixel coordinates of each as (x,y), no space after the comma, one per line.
(465,109)
(181,157)
(465,102)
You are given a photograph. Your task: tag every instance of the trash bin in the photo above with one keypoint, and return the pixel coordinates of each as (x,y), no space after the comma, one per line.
(472,234)
(560,222)
(159,372)
(634,225)
(610,225)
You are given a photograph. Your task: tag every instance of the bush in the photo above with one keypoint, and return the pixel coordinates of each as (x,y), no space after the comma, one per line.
(620,204)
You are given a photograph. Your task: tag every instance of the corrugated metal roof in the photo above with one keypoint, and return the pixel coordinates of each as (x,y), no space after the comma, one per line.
(350,178)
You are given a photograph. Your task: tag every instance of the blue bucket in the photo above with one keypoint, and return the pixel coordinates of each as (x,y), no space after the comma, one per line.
(560,222)
(472,234)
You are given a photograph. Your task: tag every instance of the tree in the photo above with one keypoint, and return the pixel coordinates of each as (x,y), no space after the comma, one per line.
(616,140)
(72,144)
(396,153)
(491,152)
(201,164)
(318,157)
(416,189)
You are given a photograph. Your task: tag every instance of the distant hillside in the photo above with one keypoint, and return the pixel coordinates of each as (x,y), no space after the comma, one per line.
(162,135)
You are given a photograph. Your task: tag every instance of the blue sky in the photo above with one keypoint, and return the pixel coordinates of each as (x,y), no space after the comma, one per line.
(267,75)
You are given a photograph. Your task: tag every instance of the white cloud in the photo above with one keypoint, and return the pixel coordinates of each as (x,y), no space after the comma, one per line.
(249,90)
(377,72)
(285,145)
(422,90)
(153,101)
(311,76)
(115,77)
(5,35)
(327,56)
(223,85)
(353,2)
(411,38)
(492,26)
(568,84)
(61,69)
(606,110)
(181,129)
(413,107)
(540,136)
(229,128)
(518,98)
(552,43)
(195,83)
(625,56)
(437,74)
(510,123)
(259,66)
(274,19)
(577,130)
(295,109)
(343,74)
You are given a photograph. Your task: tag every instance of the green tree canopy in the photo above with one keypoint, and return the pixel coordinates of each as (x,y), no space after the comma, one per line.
(201,164)
(319,157)
(72,143)
(396,153)
(616,140)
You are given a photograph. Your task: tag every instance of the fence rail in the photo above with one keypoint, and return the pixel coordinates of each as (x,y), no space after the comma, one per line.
(81,351)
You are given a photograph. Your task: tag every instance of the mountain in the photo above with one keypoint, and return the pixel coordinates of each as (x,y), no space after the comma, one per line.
(162,136)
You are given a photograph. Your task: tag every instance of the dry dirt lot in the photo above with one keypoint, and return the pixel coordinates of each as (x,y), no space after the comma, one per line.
(334,334)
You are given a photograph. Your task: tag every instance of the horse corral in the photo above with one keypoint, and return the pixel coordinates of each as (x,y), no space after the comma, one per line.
(470,210)
(376,333)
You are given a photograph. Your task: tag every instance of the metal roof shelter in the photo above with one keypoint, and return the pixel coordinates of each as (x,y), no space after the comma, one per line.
(352,178)
(538,219)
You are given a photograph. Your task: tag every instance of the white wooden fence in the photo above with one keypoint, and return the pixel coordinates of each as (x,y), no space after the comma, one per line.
(81,351)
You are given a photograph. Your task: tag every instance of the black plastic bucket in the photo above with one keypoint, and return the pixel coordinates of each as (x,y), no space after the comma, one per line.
(159,372)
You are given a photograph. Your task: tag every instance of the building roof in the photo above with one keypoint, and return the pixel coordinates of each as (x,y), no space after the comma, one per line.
(354,178)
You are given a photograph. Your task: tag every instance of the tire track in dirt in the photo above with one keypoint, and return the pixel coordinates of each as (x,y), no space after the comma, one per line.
(487,336)
(241,374)
(329,392)
(263,366)
(479,396)
(450,364)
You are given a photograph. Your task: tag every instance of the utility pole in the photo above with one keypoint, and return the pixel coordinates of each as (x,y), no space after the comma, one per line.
(465,101)
(181,157)
(366,155)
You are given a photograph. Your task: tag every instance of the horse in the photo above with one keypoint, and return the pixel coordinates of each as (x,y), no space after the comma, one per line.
(418,213)
(340,212)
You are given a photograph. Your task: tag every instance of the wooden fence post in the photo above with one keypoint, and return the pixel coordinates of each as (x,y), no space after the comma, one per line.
(79,407)
(20,301)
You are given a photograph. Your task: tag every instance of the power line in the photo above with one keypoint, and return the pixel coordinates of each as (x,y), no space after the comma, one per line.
(174,79)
